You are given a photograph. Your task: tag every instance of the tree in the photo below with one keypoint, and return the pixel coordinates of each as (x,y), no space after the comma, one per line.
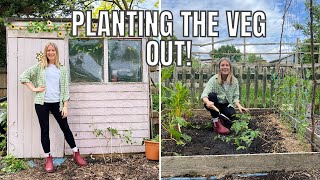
(34,9)
(253,58)
(224,50)
(305,28)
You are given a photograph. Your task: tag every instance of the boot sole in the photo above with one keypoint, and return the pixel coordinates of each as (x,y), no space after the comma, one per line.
(51,171)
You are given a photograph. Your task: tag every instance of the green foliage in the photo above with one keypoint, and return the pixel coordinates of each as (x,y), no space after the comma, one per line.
(292,96)
(223,50)
(12,164)
(243,136)
(305,28)
(176,106)
(253,58)
(155,102)
(3,123)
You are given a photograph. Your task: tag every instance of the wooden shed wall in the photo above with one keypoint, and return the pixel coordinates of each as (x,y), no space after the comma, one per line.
(119,105)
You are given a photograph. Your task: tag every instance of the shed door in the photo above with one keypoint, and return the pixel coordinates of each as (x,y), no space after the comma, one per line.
(29,144)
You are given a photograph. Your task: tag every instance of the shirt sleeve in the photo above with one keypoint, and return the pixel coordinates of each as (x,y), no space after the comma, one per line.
(66,86)
(29,74)
(207,90)
(236,92)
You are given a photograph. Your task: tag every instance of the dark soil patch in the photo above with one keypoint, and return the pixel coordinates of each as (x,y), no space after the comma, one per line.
(133,167)
(272,138)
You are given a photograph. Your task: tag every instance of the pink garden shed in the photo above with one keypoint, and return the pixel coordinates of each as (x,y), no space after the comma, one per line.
(109,90)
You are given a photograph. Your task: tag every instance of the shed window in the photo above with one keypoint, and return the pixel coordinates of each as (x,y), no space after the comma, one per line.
(125,62)
(86,60)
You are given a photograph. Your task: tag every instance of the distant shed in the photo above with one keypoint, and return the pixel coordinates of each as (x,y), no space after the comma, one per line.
(109,88)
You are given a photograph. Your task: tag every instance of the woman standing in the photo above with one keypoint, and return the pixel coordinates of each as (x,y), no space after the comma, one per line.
(49,80)
(222,93)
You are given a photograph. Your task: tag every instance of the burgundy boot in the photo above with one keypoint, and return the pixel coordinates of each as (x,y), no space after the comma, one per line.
(78,159)
(49,164)
(219,128)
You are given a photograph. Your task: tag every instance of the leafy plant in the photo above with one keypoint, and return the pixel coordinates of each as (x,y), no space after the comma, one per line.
(12,164)
(3,124)
(177,107)
(292,97)
(243,135)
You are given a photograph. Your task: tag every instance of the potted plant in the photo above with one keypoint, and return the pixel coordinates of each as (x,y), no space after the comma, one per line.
(152,148)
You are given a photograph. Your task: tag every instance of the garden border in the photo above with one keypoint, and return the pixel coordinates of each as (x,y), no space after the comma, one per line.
(205,165)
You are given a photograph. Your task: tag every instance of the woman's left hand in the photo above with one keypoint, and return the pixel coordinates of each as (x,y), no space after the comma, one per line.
(242,109)
(64,112)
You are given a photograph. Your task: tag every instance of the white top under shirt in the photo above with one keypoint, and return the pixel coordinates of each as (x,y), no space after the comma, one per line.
(52,94)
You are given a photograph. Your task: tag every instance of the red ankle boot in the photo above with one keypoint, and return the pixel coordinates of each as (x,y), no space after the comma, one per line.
(219,128)
(78,159)
(49,164)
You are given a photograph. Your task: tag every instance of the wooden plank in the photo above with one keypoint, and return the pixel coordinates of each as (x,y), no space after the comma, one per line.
(184,75)
(114,87)
(91,135)
(264,87)
(110,103)
(103,126)
(243,163)
(145,67)
(109,96)
(12,64)
(120,118)
(256,74)
(192,86)
(248,88)
(107,150)
(200,85)
(109,111)
(240,82)
(102,141)
(272,85)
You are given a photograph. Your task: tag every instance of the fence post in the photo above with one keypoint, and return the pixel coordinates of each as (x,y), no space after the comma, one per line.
(240,83)
(272,85)
(256,87)
(192,88)
(184,75)
(248,88)
(264,84)
(200,84)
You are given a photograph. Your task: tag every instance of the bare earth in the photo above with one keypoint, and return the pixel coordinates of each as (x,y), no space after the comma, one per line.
(134,167)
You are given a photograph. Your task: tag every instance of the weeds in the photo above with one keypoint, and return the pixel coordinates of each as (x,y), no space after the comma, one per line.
(12,164)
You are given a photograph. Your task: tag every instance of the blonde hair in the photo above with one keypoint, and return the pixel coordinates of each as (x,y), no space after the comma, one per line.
(44,62)
(230,77)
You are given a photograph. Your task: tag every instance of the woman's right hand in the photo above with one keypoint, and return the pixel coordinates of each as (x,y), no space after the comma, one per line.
(210,104)
(39,89)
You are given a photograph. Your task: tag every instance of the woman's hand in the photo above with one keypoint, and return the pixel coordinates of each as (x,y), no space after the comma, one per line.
(64,112)
(210,104)
(39,89)
(241,109)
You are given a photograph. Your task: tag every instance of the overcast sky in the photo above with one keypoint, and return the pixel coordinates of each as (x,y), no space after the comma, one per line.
(273,9)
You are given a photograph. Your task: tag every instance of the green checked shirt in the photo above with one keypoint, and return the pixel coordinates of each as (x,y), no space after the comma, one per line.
(231,95)
(37,76)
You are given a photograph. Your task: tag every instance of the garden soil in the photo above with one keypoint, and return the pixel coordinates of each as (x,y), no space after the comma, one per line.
(134,167)
(275,137)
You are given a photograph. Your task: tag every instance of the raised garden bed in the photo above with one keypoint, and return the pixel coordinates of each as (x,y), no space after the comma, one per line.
(276,149)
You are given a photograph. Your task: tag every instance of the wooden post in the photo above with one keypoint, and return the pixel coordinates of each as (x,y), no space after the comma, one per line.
(272,85)
(200,85)
(212,51)
(256,87)
(244,50)
(297,50)
(264,84)
(248,88)
(192,88)
(240,83)
(184,76)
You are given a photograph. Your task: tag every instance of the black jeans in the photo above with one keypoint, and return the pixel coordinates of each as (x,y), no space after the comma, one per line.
(224,109)
(43,116)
